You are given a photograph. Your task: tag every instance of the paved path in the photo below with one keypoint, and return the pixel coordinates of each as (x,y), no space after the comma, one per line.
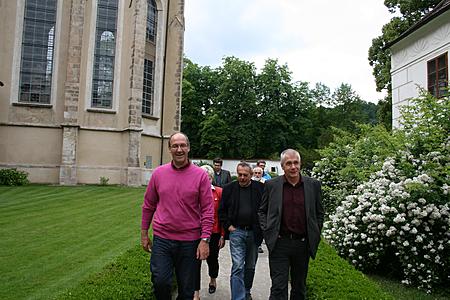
(261,283)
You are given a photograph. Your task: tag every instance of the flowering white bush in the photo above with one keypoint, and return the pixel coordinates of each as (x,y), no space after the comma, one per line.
(398,218)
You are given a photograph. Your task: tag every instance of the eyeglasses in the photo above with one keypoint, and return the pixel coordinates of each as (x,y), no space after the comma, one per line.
(176,146)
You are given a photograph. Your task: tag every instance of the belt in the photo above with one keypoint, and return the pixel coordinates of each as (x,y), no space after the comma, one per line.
(245,227)
(292,236)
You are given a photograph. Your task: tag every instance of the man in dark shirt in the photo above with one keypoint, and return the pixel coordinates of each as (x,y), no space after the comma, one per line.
(221,176)
(291,217)
(238,213)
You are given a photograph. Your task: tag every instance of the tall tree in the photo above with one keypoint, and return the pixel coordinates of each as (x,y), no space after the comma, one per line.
(236,105)
(200,88)
(410,12)
(274,94)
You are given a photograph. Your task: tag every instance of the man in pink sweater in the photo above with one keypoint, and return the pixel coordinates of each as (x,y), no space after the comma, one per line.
(178,203)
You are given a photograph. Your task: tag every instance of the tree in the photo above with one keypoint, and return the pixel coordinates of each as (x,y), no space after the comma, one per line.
(236,105)
(379,55)
(200,86)
(274,94)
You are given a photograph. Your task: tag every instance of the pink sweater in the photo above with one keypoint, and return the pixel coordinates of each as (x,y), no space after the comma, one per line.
(179,202)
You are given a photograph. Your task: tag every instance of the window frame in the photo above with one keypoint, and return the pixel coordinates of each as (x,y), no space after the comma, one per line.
(37,46)
(433,87)
(97,58)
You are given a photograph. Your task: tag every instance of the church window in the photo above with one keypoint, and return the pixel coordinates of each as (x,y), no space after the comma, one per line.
(37,53)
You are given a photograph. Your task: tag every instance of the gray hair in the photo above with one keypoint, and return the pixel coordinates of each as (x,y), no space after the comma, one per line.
(209,170)
(244,164)
(289,151)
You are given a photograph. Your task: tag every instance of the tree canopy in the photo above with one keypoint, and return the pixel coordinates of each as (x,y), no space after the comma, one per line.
(233,111)
(406,14)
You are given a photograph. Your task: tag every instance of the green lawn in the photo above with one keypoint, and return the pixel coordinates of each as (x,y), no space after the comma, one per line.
(83,243)
(52,238)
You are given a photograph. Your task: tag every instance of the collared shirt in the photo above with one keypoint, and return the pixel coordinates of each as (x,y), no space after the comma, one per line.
(293,214)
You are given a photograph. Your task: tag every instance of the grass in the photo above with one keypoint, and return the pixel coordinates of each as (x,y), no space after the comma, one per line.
(400,292)
(331,277)
(83,243)
(128,277)
(53,238)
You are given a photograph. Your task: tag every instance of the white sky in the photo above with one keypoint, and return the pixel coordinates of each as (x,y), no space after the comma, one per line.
(320,40)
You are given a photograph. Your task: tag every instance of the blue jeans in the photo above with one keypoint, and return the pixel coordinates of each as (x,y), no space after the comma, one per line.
(170,254)
(244,254)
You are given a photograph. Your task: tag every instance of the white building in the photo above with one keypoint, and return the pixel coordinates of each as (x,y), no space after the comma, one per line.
(420,59)
(272,166)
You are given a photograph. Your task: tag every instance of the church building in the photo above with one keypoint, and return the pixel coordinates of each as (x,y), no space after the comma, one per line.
(89,88)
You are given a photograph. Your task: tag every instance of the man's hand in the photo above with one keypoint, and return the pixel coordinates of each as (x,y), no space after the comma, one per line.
(145,241)
(221,242)
(203,250)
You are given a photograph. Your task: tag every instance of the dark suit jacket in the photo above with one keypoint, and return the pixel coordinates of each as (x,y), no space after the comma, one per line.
(228,210)
(270,211)
(225,178)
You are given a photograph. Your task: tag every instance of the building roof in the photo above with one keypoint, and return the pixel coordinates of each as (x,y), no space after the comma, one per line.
(442,7)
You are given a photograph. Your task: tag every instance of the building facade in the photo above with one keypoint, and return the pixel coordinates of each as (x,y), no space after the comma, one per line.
(419,59)
(89,88)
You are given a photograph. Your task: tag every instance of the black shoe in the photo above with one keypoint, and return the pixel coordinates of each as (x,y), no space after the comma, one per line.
(212,289)
(248,297)
(260,250)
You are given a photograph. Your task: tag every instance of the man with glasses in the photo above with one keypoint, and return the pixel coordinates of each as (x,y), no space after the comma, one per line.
(178,202)
(221,176)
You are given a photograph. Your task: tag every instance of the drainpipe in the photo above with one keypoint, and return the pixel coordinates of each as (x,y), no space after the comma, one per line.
(163,92)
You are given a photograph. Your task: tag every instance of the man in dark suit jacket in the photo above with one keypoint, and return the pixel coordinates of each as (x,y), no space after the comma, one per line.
(221,176)
(291,217)
(238,214)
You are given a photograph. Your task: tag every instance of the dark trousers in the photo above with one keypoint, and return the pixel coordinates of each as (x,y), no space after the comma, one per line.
(288,255)
(212,260)
(168,255)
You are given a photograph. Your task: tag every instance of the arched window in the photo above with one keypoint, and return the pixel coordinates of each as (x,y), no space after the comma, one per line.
(104,55)
(150,34)
(38,43)
(149,61)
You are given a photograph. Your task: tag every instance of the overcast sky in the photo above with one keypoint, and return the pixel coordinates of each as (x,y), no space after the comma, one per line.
(320,40)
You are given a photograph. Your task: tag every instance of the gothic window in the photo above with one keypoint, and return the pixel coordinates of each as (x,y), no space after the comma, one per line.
(437,70)
(38,43)
(104,55)
(150,34)
(147,95)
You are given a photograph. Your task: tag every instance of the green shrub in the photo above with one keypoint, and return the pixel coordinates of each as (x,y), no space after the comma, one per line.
(393,211)
(104,180)
(128,277)
(13,177)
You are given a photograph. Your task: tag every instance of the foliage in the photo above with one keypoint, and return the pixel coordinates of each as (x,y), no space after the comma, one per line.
(234,112)
(104,180)
(407,13)
(351,159)
(128,277)
(393,211)
(13,177)
(54,237)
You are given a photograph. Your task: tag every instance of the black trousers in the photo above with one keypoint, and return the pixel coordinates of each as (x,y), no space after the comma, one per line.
(168,255)
(212,260)
(290,256)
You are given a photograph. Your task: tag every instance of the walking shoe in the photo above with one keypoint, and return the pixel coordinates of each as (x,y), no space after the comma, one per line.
(211,289)
(260,249)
